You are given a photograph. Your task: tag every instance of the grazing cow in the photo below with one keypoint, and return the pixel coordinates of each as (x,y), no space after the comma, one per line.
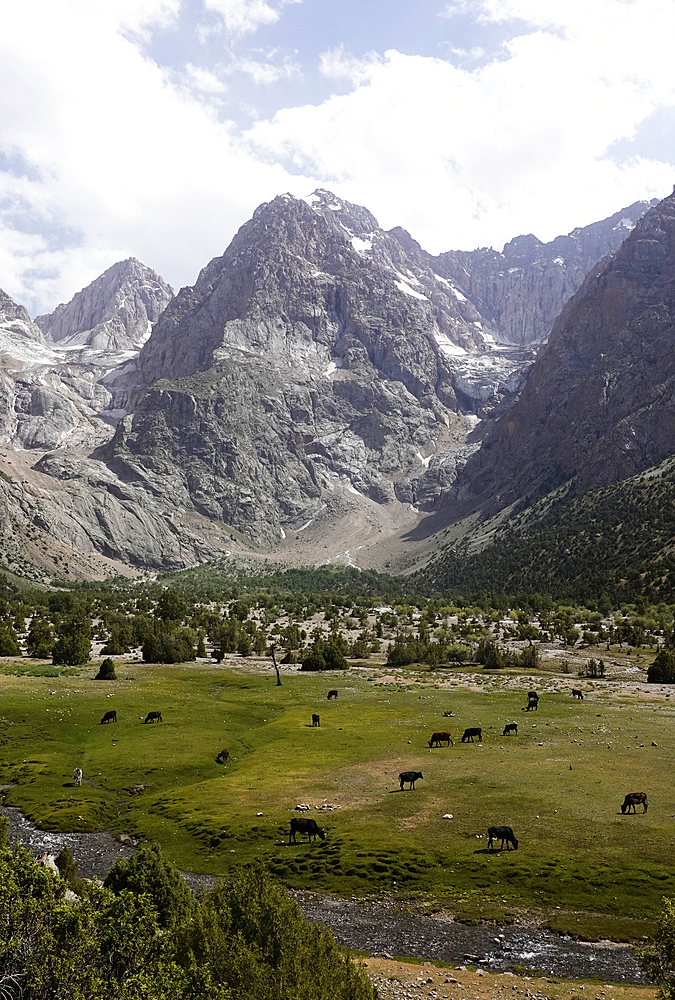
(503,833)
(109,717)
(153,717)
(77,776)
(308,826)
(316,721)
(576,693)
(410,776)
(632,799)
(532,701)
(439,738)
(222,757)
(470,733)
(510,727)
(332,694)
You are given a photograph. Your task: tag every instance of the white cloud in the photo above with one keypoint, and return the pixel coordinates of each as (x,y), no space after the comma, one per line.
(338,64)
(119,160)
(473,157)
(266,72)
(241,17)
(110,156)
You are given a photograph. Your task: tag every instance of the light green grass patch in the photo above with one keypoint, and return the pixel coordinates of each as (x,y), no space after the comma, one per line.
(161,781)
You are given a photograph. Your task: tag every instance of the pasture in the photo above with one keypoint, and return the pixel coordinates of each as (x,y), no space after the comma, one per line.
(559,784)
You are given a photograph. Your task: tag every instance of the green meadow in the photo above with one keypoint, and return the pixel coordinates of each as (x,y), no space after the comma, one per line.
(559,783)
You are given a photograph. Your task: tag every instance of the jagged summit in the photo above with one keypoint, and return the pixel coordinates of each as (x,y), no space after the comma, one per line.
(115,312)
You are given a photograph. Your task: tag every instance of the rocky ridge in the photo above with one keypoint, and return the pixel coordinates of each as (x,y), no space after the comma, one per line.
(113,313)
(599,405)
(320,369)
(521,290)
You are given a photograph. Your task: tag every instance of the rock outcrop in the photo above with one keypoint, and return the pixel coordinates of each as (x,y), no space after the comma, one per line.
(114,313)
(599,404)
(521,291)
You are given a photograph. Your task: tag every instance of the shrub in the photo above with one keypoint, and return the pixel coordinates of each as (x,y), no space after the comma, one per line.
(9,645)
(169,647)
(40,640)
(148,871)
(324,654)
(662,670)
(106,672)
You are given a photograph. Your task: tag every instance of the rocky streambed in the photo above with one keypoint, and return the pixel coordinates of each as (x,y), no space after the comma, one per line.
(380,927)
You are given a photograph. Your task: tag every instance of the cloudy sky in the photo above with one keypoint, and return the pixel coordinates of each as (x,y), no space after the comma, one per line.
(153,128)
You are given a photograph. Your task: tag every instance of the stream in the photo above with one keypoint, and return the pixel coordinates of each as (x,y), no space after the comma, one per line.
(379,927)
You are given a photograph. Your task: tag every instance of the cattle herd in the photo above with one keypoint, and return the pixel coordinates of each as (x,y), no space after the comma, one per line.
(309,826)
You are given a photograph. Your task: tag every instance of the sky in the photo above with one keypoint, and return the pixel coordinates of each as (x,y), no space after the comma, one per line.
(153,128)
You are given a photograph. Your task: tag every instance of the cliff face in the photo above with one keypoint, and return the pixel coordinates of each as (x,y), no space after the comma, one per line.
(599,404)
(317,352)
(114,313)
(523,289)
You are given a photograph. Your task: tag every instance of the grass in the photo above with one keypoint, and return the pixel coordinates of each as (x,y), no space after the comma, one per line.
(559,784)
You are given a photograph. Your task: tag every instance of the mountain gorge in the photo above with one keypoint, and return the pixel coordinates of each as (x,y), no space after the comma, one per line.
(322,372)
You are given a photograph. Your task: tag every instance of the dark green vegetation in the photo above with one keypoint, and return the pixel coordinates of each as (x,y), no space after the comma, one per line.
(244,940)
(559,784)
(617,541)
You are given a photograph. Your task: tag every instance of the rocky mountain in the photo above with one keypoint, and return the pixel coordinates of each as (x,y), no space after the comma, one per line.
(320,371)
(599,404)
(114,313)
(521,290)
(316,353)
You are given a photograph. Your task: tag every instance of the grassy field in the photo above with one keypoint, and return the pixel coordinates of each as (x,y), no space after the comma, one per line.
(559,783)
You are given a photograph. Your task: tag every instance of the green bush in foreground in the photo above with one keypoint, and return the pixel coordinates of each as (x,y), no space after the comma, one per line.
(658,960)
(245,940)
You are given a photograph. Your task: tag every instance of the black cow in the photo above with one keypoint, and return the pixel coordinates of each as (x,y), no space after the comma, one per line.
(316,721)
(632,799)
(332,694)
(153,717)
(222,757)
(503,833)
(109,717)
(532,701)
(510,727)
(410,776)
(470,733)
(308,826)
(576,693)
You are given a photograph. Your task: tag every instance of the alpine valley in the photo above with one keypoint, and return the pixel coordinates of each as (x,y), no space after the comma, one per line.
(328,392)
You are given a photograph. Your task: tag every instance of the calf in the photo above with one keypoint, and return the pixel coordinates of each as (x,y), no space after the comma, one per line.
(510,727)
(308,826)
(332,694)
(153,717)
(222,757)
(470,733)
(410,776)
(109,717)
(576,693)
(503,833)
(632,799)
(532,701)
(438,738)
(316,721)
(77,776)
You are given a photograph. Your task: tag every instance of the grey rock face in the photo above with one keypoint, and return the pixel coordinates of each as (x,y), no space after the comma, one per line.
(115,312)
(521,290)
(600,402)
(315,352)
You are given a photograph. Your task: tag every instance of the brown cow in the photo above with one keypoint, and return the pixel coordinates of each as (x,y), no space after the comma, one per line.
(438,738)
(222,757)
(153,717)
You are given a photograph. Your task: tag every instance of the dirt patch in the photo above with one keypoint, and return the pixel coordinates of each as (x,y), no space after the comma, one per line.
(401,981)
